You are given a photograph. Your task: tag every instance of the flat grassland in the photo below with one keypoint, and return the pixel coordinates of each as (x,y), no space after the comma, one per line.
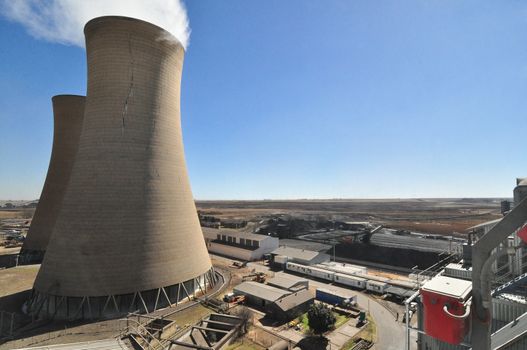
(430,215)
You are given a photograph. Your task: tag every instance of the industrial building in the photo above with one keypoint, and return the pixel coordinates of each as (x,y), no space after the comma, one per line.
(68,113)
(288,282)
(259,294)
(280,304)
(479,303)
(283,255)
(291,306)
(239,245)
(127,236)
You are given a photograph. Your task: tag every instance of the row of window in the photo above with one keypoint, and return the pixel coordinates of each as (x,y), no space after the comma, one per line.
(243,241)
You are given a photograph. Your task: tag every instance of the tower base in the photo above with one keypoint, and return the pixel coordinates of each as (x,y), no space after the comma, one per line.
(47,306)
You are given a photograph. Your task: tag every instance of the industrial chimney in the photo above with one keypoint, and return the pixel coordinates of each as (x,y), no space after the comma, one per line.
(68,112)
(128,235)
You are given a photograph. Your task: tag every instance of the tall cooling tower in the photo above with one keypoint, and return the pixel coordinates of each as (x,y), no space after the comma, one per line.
(68,112)
(128,236)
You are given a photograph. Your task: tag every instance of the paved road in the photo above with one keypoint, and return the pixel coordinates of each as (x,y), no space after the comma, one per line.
(390,333)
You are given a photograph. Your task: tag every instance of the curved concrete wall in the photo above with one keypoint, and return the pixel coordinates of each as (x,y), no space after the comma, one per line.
(68,113)
(128,222)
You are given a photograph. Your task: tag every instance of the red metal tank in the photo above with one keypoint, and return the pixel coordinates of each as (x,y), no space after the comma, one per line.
(446,307)
(523,233)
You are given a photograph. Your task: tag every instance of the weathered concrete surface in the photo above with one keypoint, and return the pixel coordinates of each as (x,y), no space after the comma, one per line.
(128,221)
(68,113)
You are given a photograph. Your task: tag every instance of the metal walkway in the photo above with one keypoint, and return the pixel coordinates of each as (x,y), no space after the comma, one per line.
(510,333)
(107,344)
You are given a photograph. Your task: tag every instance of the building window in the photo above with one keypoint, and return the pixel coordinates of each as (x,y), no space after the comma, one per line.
(242,241)
(223,237)
(255,244)
(218,237)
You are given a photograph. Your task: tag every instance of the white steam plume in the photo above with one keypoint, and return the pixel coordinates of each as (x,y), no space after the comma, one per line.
(62,21)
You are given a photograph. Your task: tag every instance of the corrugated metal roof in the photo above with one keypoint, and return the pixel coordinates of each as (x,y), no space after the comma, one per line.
(285,281)
(307,245)
(260,290)
(401,292)
(295,253)
(341,292)
(293,300)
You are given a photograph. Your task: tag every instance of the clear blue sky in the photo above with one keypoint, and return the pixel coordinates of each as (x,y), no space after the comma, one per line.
(313,99)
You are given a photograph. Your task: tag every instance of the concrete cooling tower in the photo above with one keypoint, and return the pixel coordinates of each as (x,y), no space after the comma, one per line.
(68,112)
(128,236)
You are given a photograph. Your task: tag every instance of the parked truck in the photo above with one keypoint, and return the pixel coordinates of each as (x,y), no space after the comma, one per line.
(337,298)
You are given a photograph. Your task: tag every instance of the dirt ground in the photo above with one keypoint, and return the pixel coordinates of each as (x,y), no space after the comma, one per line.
(437,216)
(19,213)
(17,279)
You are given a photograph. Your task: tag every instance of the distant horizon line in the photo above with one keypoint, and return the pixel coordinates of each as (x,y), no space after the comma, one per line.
(313,199)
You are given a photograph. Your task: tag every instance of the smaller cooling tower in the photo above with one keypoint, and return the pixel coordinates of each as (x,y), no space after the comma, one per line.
(68,113)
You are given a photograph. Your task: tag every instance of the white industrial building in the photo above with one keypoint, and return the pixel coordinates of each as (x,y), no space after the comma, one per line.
(283,255)
(238,245)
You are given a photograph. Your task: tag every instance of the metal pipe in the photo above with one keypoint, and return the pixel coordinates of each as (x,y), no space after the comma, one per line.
(406,318)
(407,331)
(486,275)
(459,317)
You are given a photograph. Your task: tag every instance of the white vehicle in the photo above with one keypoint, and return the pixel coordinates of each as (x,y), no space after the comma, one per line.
(296,268)
(376,287)
(320,273)
(352,281)
(310,271)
